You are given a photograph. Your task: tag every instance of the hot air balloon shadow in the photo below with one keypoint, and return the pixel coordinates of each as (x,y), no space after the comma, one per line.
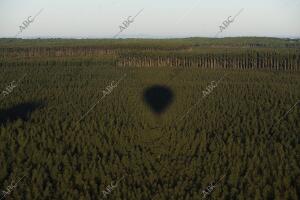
(20,111)
(158,98)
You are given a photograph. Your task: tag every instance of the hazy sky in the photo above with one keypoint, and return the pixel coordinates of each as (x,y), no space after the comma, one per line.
(160,18)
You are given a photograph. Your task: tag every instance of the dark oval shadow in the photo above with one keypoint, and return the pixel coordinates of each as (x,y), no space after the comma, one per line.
(20,111)
(158,98)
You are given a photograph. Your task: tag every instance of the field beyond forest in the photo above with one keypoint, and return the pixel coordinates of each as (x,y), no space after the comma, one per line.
(184,114)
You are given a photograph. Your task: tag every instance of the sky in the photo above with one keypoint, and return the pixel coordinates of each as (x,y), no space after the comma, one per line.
(157,18)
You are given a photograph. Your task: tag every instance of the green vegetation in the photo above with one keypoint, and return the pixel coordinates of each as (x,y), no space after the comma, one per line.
(237,130)
(237,53)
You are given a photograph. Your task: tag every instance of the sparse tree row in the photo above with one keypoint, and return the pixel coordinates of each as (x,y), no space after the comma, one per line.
(234,58)
(267,59)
